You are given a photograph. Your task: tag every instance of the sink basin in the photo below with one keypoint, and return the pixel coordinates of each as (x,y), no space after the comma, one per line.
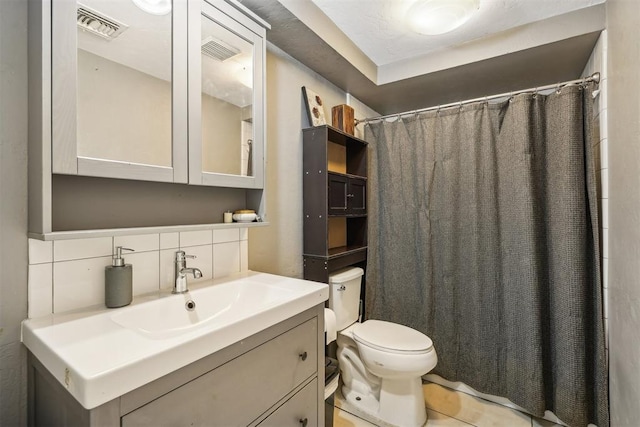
(211,307)
(100,354)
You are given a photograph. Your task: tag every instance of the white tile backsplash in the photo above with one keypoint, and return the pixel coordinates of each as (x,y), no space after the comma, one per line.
(146,271)
(226,258)
(40,291)
(605,304)
(139,243)
(195,238)
(167,257)
(69,274)
(40,251)
(605,213)
(226,235)
(604,125)
(604,179)
(203,261)
(78,283)
(169,240)
(65,250)
(604,153)
(244,255)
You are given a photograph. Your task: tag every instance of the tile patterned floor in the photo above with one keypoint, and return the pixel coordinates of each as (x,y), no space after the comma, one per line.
(449,408)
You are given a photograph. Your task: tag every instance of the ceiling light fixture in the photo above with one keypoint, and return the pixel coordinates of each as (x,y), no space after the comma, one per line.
(433,17)
(154,7)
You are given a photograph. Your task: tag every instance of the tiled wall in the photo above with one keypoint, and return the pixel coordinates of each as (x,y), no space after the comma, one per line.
(69,274)
(598,63)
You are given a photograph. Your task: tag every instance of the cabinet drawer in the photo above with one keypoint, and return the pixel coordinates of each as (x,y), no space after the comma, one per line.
(239,391)
(301,410)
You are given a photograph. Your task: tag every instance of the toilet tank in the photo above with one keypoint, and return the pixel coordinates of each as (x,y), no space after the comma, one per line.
(344,295)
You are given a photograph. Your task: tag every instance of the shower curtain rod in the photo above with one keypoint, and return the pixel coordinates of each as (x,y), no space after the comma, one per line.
(595,77)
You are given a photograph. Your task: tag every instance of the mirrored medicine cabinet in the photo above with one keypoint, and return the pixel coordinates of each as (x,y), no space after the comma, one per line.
(169,91)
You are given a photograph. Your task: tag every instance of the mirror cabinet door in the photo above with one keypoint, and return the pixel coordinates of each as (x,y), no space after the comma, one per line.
(119,91)
(225,101)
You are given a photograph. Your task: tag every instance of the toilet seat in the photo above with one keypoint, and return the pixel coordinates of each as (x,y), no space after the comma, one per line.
(392,337)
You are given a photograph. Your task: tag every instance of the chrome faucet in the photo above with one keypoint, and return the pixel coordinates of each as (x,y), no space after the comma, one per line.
(180,272)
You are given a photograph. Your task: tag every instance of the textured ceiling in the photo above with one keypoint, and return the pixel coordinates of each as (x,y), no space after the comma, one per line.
(546,63)
(379,28)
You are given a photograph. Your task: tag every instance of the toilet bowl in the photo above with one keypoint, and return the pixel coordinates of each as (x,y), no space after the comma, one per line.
(381,363)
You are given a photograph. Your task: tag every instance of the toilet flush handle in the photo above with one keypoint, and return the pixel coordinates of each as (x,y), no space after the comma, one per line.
(303,422)
(342,288)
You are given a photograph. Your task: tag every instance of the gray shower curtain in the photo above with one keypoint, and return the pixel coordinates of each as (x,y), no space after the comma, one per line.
(483,234)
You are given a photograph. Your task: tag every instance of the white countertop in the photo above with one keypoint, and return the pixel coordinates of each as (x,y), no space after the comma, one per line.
(97,359)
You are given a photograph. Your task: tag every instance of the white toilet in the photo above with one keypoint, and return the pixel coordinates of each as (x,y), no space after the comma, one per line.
(381,363)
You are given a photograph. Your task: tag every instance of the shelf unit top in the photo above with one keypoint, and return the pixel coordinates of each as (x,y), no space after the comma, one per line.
(336,135)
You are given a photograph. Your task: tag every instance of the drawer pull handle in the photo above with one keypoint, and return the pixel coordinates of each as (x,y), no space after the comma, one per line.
(304,422)
(303,356)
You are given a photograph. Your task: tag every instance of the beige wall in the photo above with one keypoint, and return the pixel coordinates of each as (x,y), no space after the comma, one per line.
(278,248)
(140,105)
(624,205)
(123,114)
(13,209)
(221,140)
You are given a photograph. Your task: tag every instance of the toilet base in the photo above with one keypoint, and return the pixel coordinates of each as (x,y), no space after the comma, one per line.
(401,403)
(361,409)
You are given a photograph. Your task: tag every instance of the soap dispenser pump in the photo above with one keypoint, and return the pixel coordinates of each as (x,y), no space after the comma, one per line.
(118,281)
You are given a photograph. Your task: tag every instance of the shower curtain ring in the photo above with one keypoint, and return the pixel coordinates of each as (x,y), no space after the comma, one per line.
(558,88)
(460,106)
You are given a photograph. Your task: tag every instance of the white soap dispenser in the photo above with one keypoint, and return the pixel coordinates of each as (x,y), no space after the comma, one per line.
(118,281)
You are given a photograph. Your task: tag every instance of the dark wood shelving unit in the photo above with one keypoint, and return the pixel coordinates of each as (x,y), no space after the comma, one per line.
(334,201)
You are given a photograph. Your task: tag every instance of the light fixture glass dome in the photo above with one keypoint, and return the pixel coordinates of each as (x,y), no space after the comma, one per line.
(433,17)
(154,7)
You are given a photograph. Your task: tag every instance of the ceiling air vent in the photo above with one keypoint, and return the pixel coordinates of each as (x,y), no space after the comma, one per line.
(96,23)
(218,49)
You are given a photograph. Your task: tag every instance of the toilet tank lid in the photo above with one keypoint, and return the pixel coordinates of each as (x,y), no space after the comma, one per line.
(345,275)
(392,336)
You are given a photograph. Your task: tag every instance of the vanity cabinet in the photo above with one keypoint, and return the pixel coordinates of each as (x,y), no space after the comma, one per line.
(268,379)
(334,201)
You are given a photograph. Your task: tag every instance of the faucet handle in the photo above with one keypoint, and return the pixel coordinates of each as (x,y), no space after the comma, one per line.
(181,256)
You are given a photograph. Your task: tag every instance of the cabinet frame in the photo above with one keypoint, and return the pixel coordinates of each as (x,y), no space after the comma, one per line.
(319,256)
(219,12)
(64,73)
